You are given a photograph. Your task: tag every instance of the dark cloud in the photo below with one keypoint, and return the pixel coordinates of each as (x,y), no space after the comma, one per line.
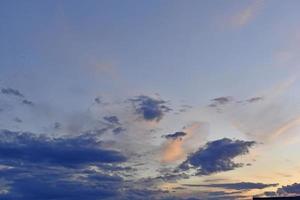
(36,183)
(217,156)
(289,189)
(98,100)
(222,100)
(16,93)
(118,130)
(254,99)
(40,182)
(270,194)
(49,188)
(151,109)
(29,148)
(11,91)
(213,105)
(235,186)
(175,135)
(27,102)
(112,119)
(40,167)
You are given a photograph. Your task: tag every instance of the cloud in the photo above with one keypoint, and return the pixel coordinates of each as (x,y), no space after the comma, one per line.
(16,93)
(270,194)
(254,99)
(284,128)
(35,183)
(216,156)
(27,102)
(149,108)
(112,119)
(289,189)
(247,14)
(235,186)
(173,147)
(11,91)
(37,187)
(57,125)
(272,110)
(176,135)
(39,167)
(98,100)
(118,130)
(174,150)
(222,100)
(29,148)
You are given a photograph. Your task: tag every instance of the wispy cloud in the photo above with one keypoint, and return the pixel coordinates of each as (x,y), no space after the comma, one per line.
(285,127)
(247,14)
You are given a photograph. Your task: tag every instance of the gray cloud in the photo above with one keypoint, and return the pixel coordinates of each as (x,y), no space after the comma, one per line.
(289,189)
(112,119)
(40,167)
(222,100)
(27,102)
(98,100)
(29,148)
(216,156)
(11,91)
(16,93)
(254,99)
(149,108)
(235,186)
(118,130)
(175,135)
(40,182)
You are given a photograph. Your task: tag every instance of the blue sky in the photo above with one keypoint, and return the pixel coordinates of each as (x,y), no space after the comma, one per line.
(162,99)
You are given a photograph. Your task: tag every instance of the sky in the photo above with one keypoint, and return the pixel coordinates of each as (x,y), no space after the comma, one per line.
(149,100)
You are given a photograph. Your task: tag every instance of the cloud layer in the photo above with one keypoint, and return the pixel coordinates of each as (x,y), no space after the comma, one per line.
(235,186)
(29,148)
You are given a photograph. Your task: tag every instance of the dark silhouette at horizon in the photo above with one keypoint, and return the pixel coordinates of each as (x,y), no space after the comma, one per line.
(277,198)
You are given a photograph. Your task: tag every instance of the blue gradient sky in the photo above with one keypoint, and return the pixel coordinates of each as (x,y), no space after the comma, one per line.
(212,69)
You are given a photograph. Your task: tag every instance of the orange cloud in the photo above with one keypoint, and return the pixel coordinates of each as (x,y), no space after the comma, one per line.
(173,151)
(177,149)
